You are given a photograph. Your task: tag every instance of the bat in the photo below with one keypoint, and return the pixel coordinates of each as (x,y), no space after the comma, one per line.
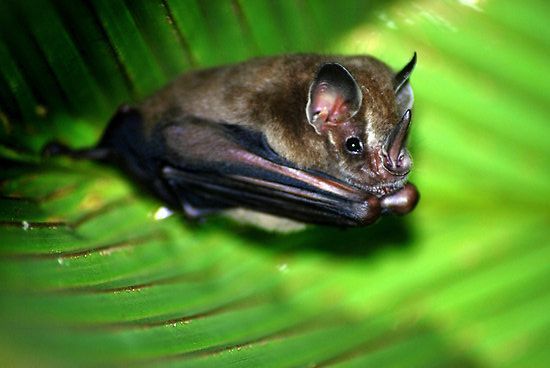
(312,138)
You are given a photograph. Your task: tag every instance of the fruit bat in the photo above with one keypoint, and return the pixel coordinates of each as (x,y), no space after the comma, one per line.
(312,138)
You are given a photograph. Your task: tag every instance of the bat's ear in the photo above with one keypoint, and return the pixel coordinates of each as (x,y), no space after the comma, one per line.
(403,91)
(334,97)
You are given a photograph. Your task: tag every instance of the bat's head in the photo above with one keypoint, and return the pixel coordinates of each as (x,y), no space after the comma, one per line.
(365,120)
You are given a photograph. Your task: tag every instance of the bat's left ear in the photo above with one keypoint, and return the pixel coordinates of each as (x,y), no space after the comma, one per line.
(334,97)
(402,88)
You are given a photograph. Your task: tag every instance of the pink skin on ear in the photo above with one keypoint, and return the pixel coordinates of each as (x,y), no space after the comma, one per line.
(334,97)
(329,106)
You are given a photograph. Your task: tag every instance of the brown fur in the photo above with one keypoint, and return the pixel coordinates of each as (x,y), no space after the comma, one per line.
(270,95)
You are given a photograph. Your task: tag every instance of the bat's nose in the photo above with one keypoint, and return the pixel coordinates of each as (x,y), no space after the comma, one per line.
(380,170)
(401,165)
(395,156)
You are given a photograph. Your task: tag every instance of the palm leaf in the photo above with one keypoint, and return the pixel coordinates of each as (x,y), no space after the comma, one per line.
(89,274)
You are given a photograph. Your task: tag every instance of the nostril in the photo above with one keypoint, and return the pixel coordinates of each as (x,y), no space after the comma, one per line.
(404,161)
(400,166)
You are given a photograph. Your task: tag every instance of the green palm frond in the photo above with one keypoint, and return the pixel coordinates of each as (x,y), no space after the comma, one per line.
(90,276)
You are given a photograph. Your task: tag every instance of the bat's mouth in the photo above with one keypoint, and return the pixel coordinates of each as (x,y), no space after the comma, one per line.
(383,189)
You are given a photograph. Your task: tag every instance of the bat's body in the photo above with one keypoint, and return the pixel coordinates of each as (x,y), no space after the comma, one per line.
(318,139)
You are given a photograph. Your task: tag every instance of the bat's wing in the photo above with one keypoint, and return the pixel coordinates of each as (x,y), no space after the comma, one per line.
(211,166)
(205,167)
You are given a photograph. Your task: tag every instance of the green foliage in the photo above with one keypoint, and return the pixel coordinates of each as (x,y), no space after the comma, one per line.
(88,276)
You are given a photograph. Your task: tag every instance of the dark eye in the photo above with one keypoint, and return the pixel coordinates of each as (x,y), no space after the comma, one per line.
(354,145)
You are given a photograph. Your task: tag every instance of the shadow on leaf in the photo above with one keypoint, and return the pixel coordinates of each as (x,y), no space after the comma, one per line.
(394,232)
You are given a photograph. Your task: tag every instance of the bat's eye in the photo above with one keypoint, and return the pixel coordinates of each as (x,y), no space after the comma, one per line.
(354,145)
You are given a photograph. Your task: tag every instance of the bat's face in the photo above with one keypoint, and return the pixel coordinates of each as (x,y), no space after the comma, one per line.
(364,120)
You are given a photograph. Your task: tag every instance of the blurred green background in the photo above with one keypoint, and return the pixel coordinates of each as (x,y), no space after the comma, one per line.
(90,276)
